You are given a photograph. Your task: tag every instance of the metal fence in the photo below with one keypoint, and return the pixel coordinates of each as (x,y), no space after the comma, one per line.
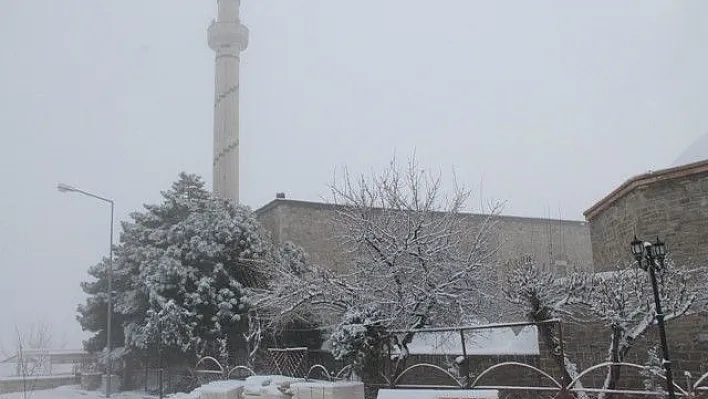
(520,377)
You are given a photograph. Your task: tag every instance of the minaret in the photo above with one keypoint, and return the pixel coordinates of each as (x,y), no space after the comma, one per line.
(228,38)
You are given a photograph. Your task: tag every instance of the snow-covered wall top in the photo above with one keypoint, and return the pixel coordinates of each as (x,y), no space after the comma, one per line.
(498,341)
(491,342)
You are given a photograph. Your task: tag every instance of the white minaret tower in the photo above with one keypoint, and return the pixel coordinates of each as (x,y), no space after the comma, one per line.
(228,38)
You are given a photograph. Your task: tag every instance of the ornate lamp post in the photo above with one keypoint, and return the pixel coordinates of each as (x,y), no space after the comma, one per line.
(651,257)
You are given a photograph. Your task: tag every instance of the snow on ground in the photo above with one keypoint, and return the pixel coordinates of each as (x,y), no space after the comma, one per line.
(75,392)
(260,385)
(256,383)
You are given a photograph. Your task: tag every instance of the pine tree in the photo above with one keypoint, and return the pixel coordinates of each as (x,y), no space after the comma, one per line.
(180,270)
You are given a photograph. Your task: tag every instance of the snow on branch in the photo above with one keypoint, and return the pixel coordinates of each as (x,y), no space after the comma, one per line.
(414,257)
(621,300)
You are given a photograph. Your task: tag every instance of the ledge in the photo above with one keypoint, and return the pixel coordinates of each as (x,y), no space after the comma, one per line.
(644,180)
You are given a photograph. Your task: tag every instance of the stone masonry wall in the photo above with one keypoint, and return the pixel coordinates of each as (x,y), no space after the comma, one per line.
(587,345)
(306,225)
(34,383)
(562,245)
(676,210)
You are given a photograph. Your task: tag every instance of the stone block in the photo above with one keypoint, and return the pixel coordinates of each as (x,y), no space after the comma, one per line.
(328,390)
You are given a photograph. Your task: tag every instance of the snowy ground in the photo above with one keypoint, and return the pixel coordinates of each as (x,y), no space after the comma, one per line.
(74,392)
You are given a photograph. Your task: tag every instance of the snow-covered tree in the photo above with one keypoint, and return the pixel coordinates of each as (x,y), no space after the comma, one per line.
(92,315)
(415,258)
(29,353)
(621,300)
(542,296)
(179,272)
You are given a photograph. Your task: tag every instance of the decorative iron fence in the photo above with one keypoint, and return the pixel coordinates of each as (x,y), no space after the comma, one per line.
(523,377)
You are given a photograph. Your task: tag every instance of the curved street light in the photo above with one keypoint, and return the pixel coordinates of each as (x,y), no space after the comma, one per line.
(651,257)
(65,188)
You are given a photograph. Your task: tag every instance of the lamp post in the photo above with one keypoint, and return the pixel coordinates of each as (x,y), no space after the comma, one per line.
(651,257)
(65,188)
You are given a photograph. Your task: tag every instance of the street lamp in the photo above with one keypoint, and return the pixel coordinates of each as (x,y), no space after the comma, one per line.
(651,257)
(65,188)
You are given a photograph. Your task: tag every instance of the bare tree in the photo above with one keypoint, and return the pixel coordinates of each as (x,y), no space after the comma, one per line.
(253,338)
(30,351)
(414,256)
(621,300)
(542,296)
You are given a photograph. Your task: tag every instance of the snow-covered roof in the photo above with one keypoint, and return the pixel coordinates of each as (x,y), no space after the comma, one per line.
(329,206)
(492,342)
(522,340)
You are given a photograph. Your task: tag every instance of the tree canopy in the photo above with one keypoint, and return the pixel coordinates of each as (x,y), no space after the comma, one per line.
(179,274)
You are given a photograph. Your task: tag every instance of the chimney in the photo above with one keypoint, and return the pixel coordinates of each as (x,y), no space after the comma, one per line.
(279,195)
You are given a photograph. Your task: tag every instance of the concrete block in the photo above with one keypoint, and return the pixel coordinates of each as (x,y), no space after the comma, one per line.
(328,390)
(229,389)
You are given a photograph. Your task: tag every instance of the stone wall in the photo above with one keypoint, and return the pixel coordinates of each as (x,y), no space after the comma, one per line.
(587,344)
(9,385)
(675,208)
(561,244)
(673,205)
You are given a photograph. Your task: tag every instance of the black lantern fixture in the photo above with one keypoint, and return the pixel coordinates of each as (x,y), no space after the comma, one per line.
(659,251)
(651,258)
(638,249)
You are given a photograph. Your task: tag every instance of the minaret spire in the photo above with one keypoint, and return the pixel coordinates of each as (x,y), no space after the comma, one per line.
(228,38)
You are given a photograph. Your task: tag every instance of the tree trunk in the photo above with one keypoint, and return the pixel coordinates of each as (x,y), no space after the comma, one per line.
(613,374)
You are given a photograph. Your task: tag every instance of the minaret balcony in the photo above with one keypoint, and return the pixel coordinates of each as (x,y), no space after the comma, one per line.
(227,35)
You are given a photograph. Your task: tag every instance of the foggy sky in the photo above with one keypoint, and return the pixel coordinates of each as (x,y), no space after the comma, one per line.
(548,105)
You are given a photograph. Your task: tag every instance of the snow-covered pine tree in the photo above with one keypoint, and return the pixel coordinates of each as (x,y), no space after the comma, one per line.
(179,273)
(92,313)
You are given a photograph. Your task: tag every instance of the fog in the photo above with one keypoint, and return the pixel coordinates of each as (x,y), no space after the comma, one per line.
(546,105)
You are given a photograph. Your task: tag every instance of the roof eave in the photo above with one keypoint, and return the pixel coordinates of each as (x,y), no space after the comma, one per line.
(643,180)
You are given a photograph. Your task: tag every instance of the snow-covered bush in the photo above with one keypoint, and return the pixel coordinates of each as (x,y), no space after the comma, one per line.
(360,338)
(653,372)
(292,258)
